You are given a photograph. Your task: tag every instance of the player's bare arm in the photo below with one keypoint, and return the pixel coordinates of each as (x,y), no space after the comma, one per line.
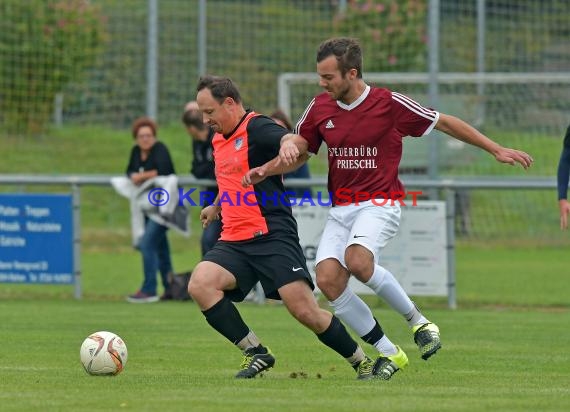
(292,146)
(564,212)
(460,130)
(274,167)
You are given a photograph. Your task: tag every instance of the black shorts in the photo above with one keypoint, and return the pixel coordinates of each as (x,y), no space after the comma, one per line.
(275,260)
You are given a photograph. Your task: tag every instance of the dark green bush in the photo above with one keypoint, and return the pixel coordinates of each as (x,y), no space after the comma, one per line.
(44,45)
(392,33)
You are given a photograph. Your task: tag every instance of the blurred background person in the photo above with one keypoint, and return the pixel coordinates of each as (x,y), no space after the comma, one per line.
(150,158)
(562,180)
(202,165)
(303,172)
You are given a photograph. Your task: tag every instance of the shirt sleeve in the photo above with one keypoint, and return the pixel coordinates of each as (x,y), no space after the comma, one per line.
(266,135)
(564,168)
(307,128)
(132,166)
(411,118)
(161,160)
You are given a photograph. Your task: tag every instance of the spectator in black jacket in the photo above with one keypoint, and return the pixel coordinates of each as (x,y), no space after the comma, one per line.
(563,177)
(202,165)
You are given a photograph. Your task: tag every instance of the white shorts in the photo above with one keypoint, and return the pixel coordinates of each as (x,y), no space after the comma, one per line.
(368,225)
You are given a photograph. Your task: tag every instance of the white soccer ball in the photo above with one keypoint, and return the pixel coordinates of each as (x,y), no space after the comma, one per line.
(103,353)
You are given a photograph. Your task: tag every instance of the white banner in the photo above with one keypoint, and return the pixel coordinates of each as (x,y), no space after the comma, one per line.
(417,256)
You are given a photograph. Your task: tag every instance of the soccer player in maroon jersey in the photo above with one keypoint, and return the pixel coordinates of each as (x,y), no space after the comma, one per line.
(259,240)
(363,127)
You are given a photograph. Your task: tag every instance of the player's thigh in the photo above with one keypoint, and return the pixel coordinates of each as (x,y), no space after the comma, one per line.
(333,241)
(235,260)
(374,226)
(280,261)
(285,265)
(208,274)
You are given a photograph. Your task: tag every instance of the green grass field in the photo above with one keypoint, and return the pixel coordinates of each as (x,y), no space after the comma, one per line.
(500,360)
(505,347)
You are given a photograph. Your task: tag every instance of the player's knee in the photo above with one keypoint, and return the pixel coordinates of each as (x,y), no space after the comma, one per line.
(331,286)
(198,282)
(358,267)
(359,261)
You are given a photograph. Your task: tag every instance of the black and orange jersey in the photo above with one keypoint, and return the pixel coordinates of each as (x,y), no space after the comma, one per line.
(251,212)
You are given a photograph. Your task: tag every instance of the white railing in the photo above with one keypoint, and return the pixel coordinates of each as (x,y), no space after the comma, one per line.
(449,186)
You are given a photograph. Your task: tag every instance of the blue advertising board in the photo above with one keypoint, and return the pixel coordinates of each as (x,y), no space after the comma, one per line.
(36,238)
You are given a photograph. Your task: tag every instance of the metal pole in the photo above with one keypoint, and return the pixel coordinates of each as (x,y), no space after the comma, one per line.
(450,227)
(284,94)
(342,7)
(433,87)
(58,110)
(202,44)
(76,210)
(152,61)
(481,23)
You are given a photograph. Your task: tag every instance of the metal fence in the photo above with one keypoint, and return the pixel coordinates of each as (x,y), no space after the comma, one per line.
(449,189)
(152,52)
(149,55)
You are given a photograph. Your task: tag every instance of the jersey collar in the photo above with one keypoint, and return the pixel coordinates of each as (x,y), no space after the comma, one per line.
(356,102)
(230,134)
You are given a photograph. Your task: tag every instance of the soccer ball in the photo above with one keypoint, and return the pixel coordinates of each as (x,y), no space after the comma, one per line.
(103,353)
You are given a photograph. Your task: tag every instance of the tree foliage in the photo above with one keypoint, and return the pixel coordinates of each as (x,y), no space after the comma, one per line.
(392,33)
(44,45)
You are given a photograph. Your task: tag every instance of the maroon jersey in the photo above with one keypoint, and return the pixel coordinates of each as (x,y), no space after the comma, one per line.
(364,139)
(255,211)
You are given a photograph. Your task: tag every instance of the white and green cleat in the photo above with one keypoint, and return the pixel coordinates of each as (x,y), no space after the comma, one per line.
(386,366)
(427,338)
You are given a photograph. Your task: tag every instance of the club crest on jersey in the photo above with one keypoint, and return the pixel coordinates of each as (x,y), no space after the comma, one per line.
(238,143)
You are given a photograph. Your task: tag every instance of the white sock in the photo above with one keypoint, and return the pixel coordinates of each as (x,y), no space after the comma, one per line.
(415,317)
(357,357)
(250,341)
(385,285)
(349,308)
(386,347)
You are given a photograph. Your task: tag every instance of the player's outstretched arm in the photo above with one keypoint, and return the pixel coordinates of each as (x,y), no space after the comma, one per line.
(271,168)
(460,130)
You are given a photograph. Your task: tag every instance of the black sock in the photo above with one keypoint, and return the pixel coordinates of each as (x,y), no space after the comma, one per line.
(225,318)
(337,338)
(258,349)
(374,335)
